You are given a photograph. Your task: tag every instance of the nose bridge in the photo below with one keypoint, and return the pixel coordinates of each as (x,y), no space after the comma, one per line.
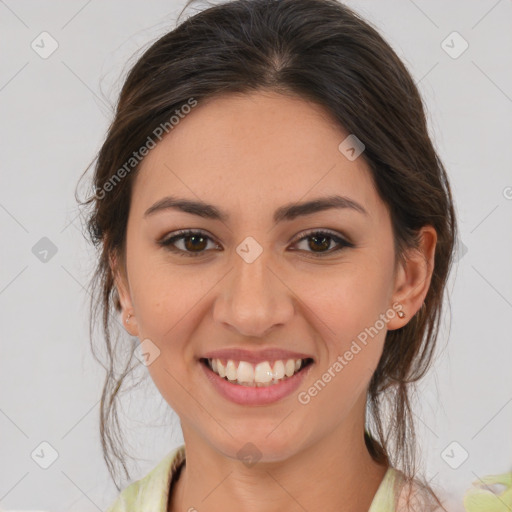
(253,299)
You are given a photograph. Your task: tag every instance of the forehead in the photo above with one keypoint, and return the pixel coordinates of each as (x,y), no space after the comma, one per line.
(253,151)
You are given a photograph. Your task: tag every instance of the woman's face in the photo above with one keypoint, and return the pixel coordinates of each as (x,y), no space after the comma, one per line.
(253,284)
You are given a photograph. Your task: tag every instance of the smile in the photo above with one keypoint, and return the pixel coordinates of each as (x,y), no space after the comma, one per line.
(263,374)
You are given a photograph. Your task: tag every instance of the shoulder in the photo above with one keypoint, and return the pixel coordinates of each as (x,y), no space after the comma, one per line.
(412,495)
(489,493)
(415,497)
(396,493)
(151,492)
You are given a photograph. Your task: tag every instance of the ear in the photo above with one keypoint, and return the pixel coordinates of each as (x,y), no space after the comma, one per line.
(123,290)
(413,277)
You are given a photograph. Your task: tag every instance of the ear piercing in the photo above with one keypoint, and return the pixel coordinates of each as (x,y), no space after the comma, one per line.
(401,314)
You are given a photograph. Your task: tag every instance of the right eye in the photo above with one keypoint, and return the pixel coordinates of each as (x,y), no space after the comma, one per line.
(194,242)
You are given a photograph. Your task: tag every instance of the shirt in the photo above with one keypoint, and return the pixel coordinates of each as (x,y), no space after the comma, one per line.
(151,493)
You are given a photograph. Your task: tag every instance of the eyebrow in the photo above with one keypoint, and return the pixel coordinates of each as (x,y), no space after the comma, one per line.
(284,213)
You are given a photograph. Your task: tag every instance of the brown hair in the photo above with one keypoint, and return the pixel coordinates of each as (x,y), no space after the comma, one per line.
(322,51)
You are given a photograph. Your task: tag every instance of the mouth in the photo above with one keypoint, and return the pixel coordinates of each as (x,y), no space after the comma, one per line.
(262,374)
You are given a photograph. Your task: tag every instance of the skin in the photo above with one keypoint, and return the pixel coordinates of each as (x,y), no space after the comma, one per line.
(248,155)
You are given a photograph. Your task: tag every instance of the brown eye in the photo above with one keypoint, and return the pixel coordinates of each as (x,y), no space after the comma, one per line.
(319,242)
(194,243)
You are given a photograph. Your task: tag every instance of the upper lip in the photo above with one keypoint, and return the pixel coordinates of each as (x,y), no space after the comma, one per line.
(255,356)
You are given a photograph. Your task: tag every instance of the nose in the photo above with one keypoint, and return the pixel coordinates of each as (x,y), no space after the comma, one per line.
(253,299)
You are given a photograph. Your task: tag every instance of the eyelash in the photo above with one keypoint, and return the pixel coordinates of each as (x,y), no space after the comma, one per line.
(168,242)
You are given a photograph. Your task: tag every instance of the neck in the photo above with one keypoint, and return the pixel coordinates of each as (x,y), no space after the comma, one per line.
(339,468)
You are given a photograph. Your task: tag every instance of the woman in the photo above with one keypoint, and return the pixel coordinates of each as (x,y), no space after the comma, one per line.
(276,229)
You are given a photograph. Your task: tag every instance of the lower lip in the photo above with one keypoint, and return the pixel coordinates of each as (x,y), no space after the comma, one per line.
(247,395)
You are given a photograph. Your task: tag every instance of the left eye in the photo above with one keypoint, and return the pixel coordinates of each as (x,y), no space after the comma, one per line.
(322,240)
(194,243)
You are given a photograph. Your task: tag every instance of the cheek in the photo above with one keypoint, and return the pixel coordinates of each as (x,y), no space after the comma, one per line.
(346,309)
(167,315)
(352,334)
(162,292)
(345,300)
(164,302)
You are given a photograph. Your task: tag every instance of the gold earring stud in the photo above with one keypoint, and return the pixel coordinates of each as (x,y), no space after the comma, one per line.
(401,314)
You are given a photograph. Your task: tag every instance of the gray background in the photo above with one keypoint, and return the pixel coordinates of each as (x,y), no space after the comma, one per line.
(54,114)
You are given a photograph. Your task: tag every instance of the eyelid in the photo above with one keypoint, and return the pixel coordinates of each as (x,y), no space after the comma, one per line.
(324,231)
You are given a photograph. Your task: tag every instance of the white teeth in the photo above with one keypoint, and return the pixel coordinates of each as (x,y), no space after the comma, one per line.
(231,370)
(289,367)
(262,374)
(245,372)
(221,370)
(278,370)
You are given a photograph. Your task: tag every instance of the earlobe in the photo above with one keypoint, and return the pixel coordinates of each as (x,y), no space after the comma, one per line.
(131,324)
(414,276)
